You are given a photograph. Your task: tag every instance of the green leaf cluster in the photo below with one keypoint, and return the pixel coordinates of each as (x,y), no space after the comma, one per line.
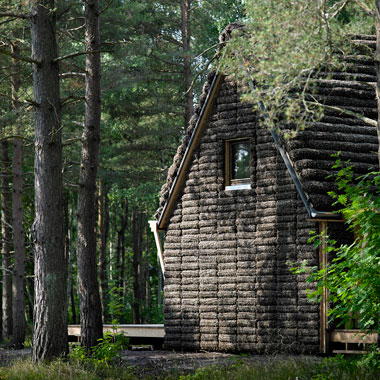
(352,277)
(282,47)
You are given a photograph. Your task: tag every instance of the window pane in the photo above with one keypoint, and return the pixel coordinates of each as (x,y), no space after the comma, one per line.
(240,160)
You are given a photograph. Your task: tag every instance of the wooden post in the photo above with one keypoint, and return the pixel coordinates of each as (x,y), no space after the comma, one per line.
(324,304)
(153,226)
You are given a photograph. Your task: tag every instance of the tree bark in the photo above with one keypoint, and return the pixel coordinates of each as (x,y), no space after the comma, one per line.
(50,309)
(186,39)
(6,233)
(122,282)
(148,296)
(377,66)
(103,225)
(70,257)
(90,305)
(18,297)
(137,261)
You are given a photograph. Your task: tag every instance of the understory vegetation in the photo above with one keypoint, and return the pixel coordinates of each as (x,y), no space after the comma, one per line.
(241,367)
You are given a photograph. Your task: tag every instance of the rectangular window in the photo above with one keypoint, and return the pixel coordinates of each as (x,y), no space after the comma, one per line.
(237,164)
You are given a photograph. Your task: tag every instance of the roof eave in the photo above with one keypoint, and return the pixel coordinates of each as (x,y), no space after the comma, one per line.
(180,177)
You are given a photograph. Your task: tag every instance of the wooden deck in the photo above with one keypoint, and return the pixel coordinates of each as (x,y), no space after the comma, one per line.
(138,334)
(351,341)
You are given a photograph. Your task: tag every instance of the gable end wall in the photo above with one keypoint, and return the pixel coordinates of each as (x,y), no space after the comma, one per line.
(228,285)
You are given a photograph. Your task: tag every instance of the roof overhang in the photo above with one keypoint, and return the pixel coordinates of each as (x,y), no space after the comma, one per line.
(180,177)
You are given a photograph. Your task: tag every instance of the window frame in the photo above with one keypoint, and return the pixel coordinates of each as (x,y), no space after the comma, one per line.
(234,184)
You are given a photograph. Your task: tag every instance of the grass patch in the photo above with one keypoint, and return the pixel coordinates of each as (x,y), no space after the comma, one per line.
(242,368)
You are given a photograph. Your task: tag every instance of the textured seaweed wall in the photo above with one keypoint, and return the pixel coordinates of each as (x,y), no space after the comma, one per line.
(228,284)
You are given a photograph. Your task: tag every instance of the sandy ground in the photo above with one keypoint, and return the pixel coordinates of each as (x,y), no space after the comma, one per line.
(161,361)
(169,361)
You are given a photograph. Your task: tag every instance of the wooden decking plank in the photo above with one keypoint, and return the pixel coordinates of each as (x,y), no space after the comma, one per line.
(133,331)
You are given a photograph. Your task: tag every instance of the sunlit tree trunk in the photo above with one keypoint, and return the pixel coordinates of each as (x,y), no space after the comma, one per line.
(18,301)
(377,66)
(70,256)
(6,236)
(103,227)
(147,287)
(137,263)
(50,309)
(88,286)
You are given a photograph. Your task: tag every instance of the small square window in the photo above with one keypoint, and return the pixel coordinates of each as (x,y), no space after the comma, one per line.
(237,163)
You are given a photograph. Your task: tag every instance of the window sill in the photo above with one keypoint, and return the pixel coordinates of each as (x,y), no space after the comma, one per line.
(242,186)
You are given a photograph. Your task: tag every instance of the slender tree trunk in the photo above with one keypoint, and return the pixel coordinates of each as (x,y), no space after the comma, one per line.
(118,257)
(122,267)
(70,257)
(136,232)
(120,248)
(186,39)
(122,282)
(18,296)
(50,306)
(148,305)
(6,233)
(377,66)
(90,305)
(29,293)
(103,224)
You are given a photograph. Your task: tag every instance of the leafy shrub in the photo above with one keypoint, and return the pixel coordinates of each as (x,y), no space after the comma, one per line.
(105,351)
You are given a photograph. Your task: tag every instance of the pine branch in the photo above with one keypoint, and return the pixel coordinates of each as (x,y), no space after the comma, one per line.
(106,7)
(166,61)
(364,8)
(31,102)
(205,51)
(367,120)
(71,99)
(340,9)
(15,137)
(72,74)
(72,55)
(200,72)
(19,57)
(14,15)
(71,141)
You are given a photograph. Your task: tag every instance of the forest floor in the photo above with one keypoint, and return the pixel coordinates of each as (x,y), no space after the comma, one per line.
(7,356)
(160,361)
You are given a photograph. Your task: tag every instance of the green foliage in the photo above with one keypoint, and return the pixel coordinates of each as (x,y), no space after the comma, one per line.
(116,305)
(304,368)
(335,368)
(352,278)
(283,45)
(104,352)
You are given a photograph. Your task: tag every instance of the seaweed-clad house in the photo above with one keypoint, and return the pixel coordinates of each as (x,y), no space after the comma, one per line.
(239,205)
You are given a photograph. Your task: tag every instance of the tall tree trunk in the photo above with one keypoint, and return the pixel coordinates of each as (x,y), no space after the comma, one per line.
(148,305)
(6,233)
(90,305)
(50,309)
(120,248)
(186,39)
(122,282)
(29,290)
(136,233)
(103,225)
(18,297)
(377,66)
(69,216)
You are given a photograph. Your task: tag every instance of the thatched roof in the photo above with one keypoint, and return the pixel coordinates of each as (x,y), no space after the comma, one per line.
(308,155)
